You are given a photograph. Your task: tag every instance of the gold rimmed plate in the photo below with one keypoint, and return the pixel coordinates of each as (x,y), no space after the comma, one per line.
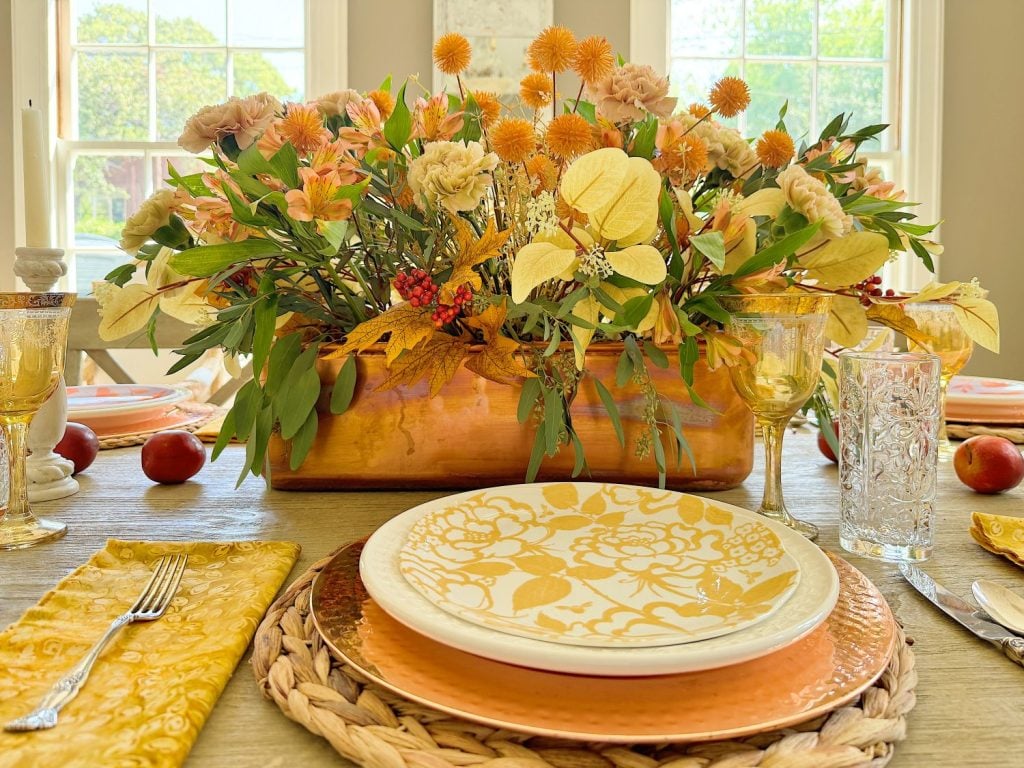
(822,671)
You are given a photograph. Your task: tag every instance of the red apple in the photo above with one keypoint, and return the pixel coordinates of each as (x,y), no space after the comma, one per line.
(989,464)
(173,456)
(823,445)
(79,445)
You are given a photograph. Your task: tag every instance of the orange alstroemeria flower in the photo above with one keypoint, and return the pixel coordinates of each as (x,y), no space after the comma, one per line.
(316,199)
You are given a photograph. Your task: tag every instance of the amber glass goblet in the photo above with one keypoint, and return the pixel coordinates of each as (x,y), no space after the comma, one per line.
(784,335)
(950,342)
(33,338)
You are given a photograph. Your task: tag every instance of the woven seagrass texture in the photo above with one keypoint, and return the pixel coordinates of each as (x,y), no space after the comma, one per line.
(963,431)
(375,728)
(203,413)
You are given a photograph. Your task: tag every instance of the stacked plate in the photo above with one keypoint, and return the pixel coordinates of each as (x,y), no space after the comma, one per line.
(119,410)
(604,612)
(980,400)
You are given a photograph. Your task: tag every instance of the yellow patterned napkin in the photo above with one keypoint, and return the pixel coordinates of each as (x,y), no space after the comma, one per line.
(155,684)
(1000,534)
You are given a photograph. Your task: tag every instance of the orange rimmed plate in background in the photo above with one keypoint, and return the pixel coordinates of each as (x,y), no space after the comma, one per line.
(822,671)
(110,409)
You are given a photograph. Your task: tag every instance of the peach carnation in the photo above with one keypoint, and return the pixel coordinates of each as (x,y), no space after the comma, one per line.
(630,92)
(336,102)
(244,119)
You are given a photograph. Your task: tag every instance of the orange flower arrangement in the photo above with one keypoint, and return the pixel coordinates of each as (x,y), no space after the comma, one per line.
(554,50)
(536,91)
(730,96)
(775,148)
(513,139)
(568,135)
(593,59)
(490,107)
(452,53)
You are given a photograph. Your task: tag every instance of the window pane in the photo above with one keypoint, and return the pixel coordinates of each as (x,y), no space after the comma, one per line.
(185,165)
(113,96)
(856,89)
(780,27)
(852,28)
(186,81)
(691,79)
(770,86)
(103,21)
(190,22)
(93,266)
(107,190)
(696,31)
(267,23)
(281,74)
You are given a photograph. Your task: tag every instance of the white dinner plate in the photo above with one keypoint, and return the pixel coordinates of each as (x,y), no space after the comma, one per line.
(810,603)
(111,408)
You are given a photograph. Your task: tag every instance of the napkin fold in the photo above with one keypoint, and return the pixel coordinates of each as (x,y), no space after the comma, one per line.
(156,683)
(1000,534)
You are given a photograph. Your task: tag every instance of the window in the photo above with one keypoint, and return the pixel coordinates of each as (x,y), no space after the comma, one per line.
(132,72)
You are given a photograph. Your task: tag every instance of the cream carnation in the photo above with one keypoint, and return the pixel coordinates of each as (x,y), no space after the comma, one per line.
(154,213)
(336,103)
(727,149)
(810,197)
(245,119)
(630,92)
(452,175)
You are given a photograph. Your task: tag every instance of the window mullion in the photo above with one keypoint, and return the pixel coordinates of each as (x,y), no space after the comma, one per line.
(741,124)
(815,48)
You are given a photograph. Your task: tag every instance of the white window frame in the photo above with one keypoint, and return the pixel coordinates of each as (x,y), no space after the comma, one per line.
(916,156)
(35,48)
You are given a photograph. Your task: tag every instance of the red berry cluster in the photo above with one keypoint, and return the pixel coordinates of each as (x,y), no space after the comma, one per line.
(445,313)
(870,287)
(416,287)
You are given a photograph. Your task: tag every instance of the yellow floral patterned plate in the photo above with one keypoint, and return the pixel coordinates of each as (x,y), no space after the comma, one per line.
(597,564)
(1000,534)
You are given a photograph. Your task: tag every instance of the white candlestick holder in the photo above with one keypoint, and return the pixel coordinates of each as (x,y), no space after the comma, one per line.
(49,475)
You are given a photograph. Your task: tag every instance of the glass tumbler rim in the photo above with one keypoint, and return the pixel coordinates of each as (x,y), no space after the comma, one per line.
(28,300)
(786,303)
(883,356)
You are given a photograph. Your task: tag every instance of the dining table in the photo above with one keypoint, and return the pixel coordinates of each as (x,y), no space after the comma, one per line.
(970,698)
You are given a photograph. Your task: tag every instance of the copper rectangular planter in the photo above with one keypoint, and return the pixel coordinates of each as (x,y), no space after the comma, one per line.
(468,436)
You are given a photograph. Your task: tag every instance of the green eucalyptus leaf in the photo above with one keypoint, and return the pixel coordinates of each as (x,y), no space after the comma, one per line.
(303,441)
(344,386)
(208,260)
(227,432)
(612,408)
(265,321)
(282,356)
(712,246)
(398,127)
(302,388)
(528,399)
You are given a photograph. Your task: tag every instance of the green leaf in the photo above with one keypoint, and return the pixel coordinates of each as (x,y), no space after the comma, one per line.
(536,457)
(334,232)
(922,253)
(612,408)
(265,321)
(659,455)
(623,370)
(553,416)
(643,142)
(580,462)
(121,275)
(207,260)
(655,355)
(527,399)
(689,351)
(151,331)
(556,339)
(398,127)
(471,130)
(286,165)
(681,442)
(634,311)
(282,355)
(303,441)
(173,234)
(256,446)
(248,402)
(775,253)
(344,386)
(712,246)
(252,163)
(227,431)
(303,388)
(587,110)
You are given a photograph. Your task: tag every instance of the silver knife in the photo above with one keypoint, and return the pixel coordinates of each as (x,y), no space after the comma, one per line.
(964,613)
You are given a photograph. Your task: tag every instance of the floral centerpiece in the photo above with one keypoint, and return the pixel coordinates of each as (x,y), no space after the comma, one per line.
(437,223)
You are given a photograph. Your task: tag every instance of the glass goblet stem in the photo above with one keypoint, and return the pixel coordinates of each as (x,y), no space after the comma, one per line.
(772,504)
(18,526)
(945,447)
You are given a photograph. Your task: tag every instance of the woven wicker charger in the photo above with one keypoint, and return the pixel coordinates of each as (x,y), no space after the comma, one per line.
(202,412)
(377,729)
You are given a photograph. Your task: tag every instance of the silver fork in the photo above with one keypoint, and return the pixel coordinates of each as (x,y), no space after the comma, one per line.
(151,605)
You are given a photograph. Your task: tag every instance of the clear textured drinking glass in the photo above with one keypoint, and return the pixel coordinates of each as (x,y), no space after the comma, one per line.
(33,338)
(889,408)
(784,334)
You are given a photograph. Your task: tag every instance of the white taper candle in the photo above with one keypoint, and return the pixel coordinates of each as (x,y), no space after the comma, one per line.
(36,179)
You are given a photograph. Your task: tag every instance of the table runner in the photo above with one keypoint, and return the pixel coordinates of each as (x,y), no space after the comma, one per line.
(155,684)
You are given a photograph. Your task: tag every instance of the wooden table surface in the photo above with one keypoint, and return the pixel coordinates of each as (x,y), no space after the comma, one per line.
(970,698)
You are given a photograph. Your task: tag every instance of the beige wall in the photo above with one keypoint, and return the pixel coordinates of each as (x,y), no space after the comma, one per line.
(7,184)
(410,34)
(983,115)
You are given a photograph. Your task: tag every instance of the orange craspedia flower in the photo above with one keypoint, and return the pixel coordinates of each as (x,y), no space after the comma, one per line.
(452,53)
(698,110)
(729,96)
(568,135)
(385,102)
(536,90)
(775,148)
(693,155)
(542,172)
(490,107)
(513,139)
(553,50)
(303,127)
(593,59)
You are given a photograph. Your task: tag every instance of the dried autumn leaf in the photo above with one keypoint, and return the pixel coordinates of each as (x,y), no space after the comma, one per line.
(437,361)
(847,324)
(980,320)
(499,361)
(847,260)
(473,251)
(408,326)
(593,179)
(124,310)
(895,317)
(489,321)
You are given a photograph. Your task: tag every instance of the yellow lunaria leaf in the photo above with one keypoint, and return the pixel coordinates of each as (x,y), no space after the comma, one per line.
(561,238)
(644,233)
(188,304)
(539,591)
(739,250)
(765,202)
(847,260)
(534,264)
(686,206)
(561,495)
(629,208)
(593,179)
(847,324)
(586,309)
(124,310)
(980,320)
(642,263)
(934,291)
(622,295)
